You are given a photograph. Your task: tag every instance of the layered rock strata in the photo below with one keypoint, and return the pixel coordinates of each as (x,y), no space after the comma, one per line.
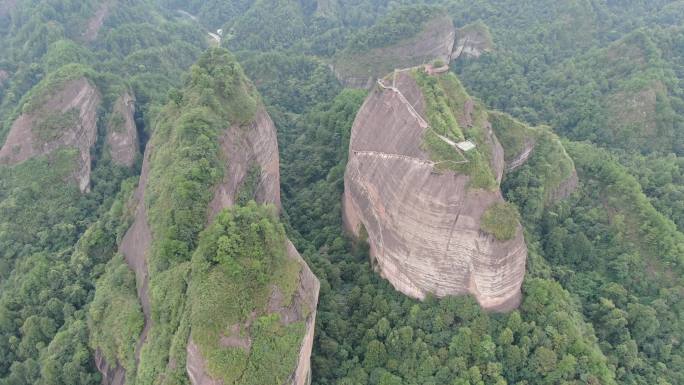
(423,226)
(69,119)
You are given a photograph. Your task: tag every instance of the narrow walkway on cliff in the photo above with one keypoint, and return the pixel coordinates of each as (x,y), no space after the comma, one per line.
(459,147)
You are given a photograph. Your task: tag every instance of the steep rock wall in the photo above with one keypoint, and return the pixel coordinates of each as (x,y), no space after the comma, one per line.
(244,147)
(96,21)
(111,375)
(423,226)
(24,140)
(122,135)
(435,41)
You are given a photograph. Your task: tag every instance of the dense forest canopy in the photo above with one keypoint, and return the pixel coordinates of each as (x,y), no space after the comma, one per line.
(603,298)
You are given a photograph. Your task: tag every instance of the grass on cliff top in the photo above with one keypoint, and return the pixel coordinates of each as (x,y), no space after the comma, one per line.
(115,318)
(372,52)
(185,166)
(240,258)
(445,98)
(500,220)
(512,133)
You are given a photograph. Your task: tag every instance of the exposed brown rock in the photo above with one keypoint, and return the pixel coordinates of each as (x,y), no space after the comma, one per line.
(122,135)
(24,143)
(195,366)
(305,303)
(361,70)
(423,226)
(111,375)
(523,156)
(96,21)
(564,188)
(244,146)
(135,246)
(472,41)
(498,155)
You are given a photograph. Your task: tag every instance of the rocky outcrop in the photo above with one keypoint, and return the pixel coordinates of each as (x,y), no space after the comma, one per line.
(303,308)
(122,134)
(423,225)
(67,118)
(247,147)
(96,21)
(434,42)
(244,148)
(111,375)
(522,157)
(472,41)
(565,188)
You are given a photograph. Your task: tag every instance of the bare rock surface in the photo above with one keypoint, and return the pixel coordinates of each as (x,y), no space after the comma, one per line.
(434,42)
(471,42)
(303,308)
(23,142)
(423,226)
(122,134)
(244,147)
(96,21)
(135,246)
(564,188)
(523,156)
(111,375)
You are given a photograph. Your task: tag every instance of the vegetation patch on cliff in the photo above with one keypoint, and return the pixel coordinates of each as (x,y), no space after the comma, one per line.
(241,259)
(445,101)
(500,220)
(394,42)
(115,317)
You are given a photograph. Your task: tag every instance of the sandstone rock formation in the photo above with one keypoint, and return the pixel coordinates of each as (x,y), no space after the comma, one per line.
(245,147)
(434,42)
(67,118)
(472,41)
(96,21)
(115,375)
(122,134)
(424,225)
(301,309)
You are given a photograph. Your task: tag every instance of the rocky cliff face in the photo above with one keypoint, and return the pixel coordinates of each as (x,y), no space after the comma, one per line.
(251,155)
(252,166)
(96,21)
(122,135)
(67,118)
(434,42)
(246,147)
(423,225)
(472,41)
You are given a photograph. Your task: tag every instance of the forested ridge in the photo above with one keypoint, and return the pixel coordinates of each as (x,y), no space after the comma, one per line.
(603,297)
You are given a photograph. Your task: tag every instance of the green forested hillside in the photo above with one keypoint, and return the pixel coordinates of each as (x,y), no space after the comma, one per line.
(603,295)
